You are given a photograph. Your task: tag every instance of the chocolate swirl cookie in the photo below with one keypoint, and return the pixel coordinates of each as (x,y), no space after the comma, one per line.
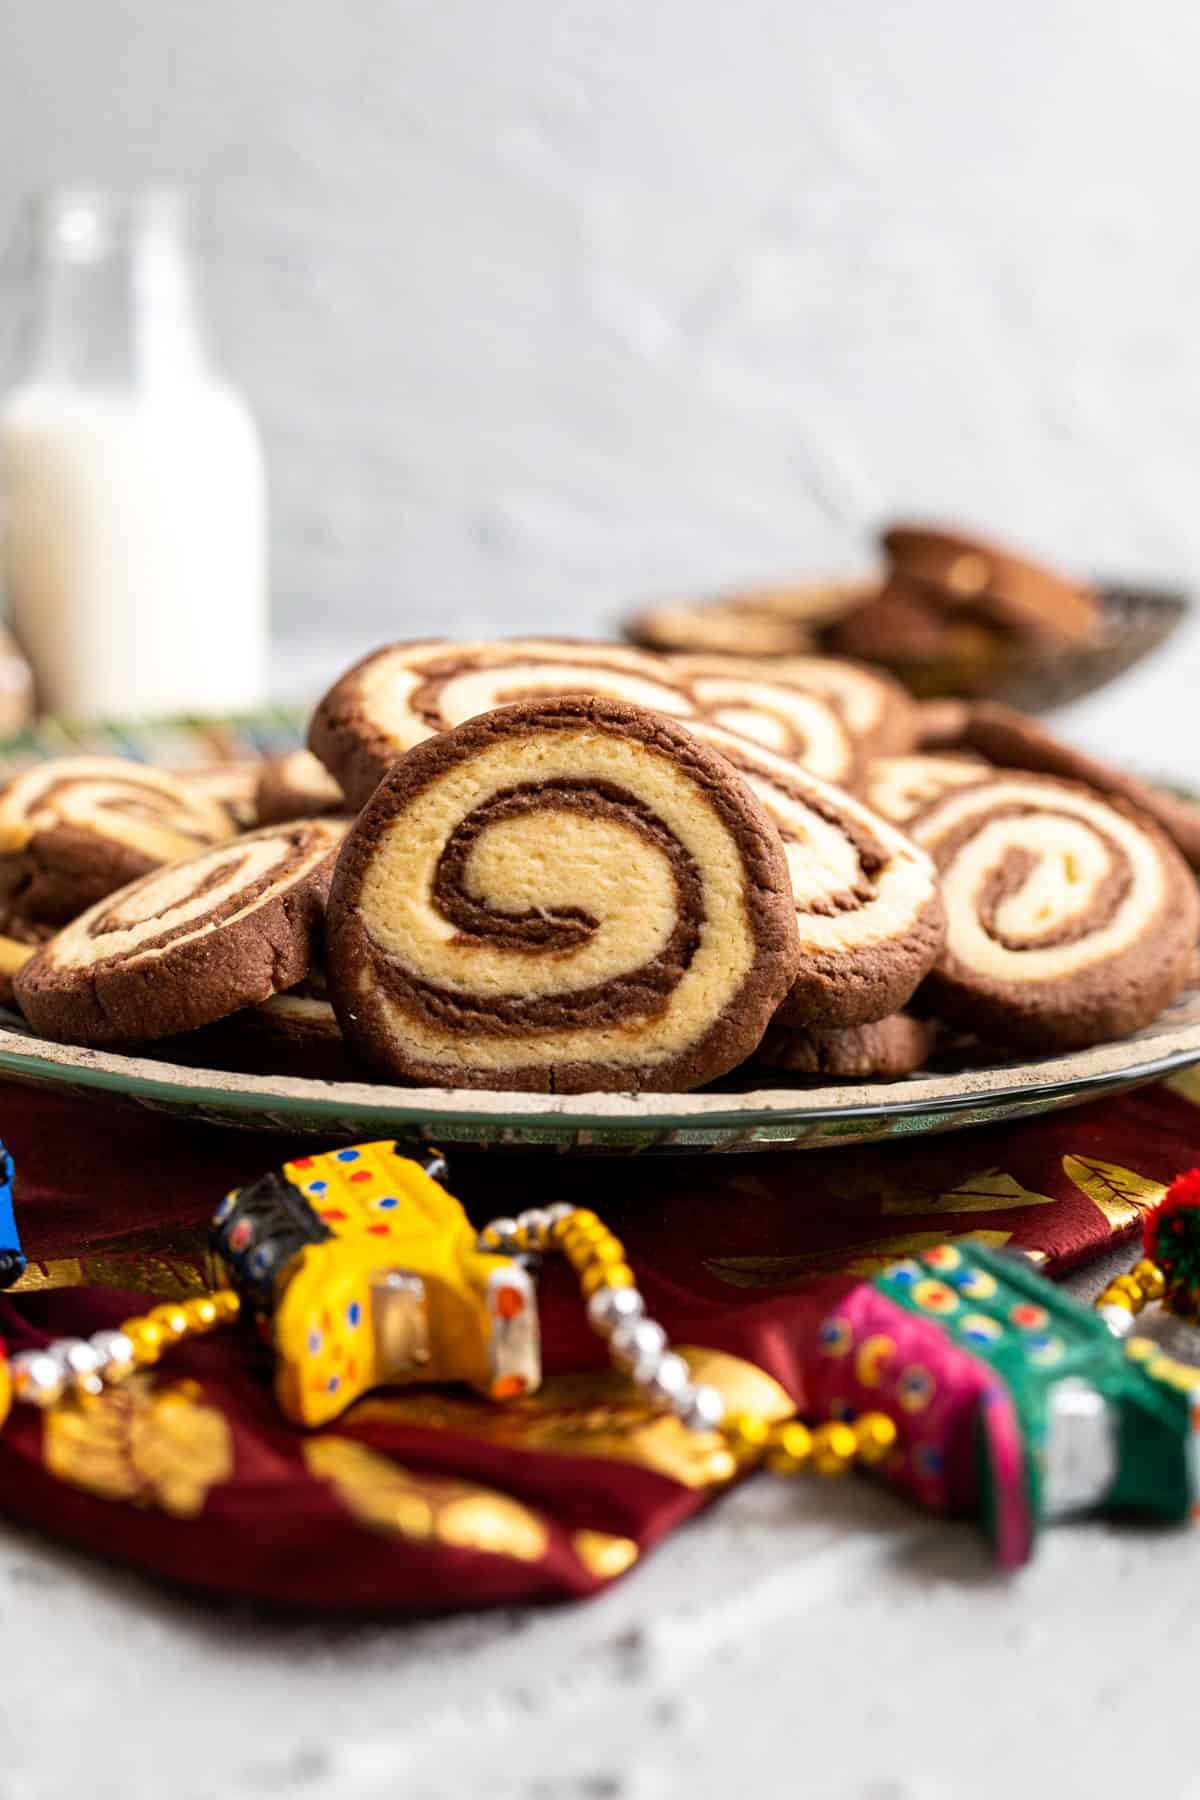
(76,829)
(900,787)
(405,693)
(795,722)
(890,1047)
(1071,919)
(872,709)
(187,944)
(867,906)
(295,786)
(562,895)
(763,621)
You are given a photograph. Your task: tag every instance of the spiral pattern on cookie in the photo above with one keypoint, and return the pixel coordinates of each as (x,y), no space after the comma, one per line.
(405,693)
(189,943)
(1071,919)
(806,727)
(900,787)
(562,895)
(866,898)
(77,828)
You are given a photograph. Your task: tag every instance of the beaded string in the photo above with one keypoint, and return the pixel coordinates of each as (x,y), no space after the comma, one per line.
(84,1366)
(638,1346)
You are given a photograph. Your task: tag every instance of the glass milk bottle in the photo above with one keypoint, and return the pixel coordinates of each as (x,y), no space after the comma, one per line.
(133,509)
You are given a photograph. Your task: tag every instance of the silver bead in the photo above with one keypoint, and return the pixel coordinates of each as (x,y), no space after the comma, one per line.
(558,1212)
(636,1342)
(705,1411)
(79,1364)
(504,1229)
(610,1307)
(1118,1319)
(114,1354)
(37,1377)
(671,1381)
(536,1222)
(76,1356)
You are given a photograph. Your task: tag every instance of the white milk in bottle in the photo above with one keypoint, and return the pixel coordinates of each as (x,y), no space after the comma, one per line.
(132,488)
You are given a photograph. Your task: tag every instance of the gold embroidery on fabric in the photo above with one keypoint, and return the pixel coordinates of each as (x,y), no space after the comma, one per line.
(597,1414)
(860,1259)
(1121,1194)
(424,1508)
(167,1264)
(989,1190)
(150,1446)
(603,1555)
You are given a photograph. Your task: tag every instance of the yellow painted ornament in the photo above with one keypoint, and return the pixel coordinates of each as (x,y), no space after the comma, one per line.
(369,1274)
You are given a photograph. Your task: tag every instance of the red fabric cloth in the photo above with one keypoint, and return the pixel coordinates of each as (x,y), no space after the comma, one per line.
(436,1499)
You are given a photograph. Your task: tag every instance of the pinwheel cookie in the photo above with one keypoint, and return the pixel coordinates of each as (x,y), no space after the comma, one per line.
(295,786)
(74,830)
(900,787)
(808,728)
(888,1047)
(405,693)
(1071,918)
(561,895)
(187,944)
(866,898)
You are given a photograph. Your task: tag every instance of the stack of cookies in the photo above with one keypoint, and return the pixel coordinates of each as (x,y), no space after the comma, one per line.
(948,611)
(564,867)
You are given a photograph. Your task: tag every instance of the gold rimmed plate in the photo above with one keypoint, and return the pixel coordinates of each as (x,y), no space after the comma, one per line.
(736,1117)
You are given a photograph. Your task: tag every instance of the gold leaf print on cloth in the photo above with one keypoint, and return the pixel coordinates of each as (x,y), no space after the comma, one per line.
(990,1190)
(149,1446)
(424,1508)
(602,1554)
(866,1258)
(598,1413)
(170,1264)
(1121,1194)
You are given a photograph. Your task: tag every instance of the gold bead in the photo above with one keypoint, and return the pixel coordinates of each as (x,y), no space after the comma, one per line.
(202,1313)
(172,1318)
(794,1439)
(1115,1296)
(609,1250)
(594,1276)
(876,1435)
(1151,1279)
(746,1433)
(146,1337)
(833,1449)
(1126,1284)
(228,1305)
(489,1238)
(617,1275)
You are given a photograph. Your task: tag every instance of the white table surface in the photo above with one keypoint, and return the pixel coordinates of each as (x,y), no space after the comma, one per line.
(793,1641)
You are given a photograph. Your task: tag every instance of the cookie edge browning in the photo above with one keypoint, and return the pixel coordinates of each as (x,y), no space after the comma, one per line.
(182,990)
(356,753)
(1109,999)
(728,1040)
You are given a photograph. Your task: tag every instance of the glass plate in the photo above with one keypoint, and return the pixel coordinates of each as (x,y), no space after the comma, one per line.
(801,1116)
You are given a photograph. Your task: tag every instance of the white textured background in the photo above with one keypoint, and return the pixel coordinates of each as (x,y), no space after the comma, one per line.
(551,304)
